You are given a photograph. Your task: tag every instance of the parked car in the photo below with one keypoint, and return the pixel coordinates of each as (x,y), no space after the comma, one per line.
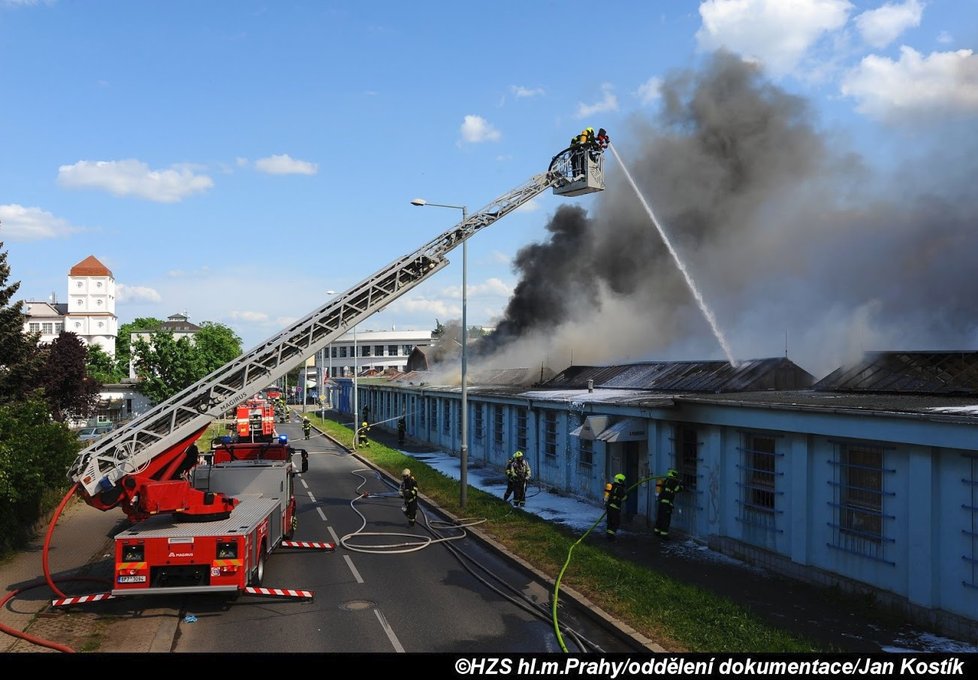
(94,432)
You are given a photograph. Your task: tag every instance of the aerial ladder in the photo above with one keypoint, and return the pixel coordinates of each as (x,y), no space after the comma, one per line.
(122,468)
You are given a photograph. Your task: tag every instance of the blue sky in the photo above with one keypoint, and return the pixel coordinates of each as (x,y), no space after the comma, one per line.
(237,160)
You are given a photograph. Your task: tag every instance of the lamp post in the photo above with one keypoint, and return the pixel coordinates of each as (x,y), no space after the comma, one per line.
(464,449)
(327,376)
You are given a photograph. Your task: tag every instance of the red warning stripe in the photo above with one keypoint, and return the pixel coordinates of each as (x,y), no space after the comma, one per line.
(81,599)
(279,592)
(308,544)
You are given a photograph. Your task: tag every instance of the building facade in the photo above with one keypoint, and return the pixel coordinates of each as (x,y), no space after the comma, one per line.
(871,488)
(90,312)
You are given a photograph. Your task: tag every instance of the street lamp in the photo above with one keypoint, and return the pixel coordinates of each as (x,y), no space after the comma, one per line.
(464,450)
(327,376)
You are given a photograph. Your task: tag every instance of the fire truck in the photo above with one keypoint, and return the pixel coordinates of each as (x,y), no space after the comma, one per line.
(254,421)
(209,527)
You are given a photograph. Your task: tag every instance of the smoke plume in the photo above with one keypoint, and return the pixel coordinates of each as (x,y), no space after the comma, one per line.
(794,241)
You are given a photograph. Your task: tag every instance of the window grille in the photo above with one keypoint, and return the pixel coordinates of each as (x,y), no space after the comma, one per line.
(859,525)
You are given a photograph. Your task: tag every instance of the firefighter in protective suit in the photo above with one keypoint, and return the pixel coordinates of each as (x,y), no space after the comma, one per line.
(614,498)
(667,488)
(409,492)
(362,434)
(517,475)
(306,428)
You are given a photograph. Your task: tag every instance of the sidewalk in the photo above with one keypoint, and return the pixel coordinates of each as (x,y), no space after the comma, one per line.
(81,549)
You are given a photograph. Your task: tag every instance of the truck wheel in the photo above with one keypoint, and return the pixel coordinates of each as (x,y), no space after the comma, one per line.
(259,574)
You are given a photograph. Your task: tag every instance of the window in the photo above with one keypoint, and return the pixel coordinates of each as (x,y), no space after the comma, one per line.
(861,492)
(586,456)
(365,351)
(392,350)
(687,447)
(343,352)
(478,421)
(58,327)
(34,327)
(497,425)
(446,416)
(970,532)
(407,349)
(422,418)
(332,352)
(521,429)
(378,350)
(760,473)
(47,328)
(550,434)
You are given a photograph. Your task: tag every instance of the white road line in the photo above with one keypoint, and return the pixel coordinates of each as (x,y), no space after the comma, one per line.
(389,631)
(303,482)
(321,513)
(336,539)
(356,574)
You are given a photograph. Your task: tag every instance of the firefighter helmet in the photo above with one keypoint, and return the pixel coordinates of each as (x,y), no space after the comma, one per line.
(406,473)
(673,472)
(619,477)
(518,454)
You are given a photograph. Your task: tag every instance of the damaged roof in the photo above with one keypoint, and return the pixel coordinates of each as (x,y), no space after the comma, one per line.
(938,373)
(689,376)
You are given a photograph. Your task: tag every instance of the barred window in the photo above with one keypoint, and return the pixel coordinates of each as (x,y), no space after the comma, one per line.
(497,425)
(521,418)
(550,434)
(422,417)
(478,421)
(586,457)
(970,529)
(759,487)
(687,446)
(861,492)
(446,424)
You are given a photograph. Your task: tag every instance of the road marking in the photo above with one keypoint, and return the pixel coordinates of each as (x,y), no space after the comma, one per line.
(321,513)
(356,574)
(303,482)
(389,631)
(336,539)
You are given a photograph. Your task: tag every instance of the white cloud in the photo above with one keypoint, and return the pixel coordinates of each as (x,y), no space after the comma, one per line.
(491,286)
(126,293)
(501,257)
(249,316)
(521,91)
(776,33)
(283,164)
(881,26)
(533,205)
(608,102)
(31,224)
(134,178)
(477,129)
(942,82)
(945,38)
(649,91)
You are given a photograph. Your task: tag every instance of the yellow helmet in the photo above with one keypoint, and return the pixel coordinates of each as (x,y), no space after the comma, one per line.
(406,472)
(518,454)
(619,477)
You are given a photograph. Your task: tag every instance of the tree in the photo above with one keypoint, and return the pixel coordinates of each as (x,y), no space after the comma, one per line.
(123,351)
(102,367)
(19,357)
(166,366)
(68,389)
(217,345)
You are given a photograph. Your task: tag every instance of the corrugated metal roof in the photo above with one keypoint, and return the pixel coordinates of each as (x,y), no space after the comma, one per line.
(690,376)
(907,373)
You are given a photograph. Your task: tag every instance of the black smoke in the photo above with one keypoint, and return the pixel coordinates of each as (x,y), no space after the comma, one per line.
(792,238)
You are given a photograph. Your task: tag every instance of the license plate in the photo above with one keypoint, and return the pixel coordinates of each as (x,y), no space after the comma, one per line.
(132,579)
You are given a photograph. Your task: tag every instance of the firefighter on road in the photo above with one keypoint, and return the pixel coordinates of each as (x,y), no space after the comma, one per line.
(306,427)
(614,498)
(409,492)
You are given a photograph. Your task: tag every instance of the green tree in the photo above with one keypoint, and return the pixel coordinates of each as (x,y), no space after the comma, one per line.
(123,351)
(35,454)
(20,361)
(102,367)
(68,389)
(166,366)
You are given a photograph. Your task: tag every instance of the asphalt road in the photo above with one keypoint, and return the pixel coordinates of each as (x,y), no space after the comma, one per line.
(406,598)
